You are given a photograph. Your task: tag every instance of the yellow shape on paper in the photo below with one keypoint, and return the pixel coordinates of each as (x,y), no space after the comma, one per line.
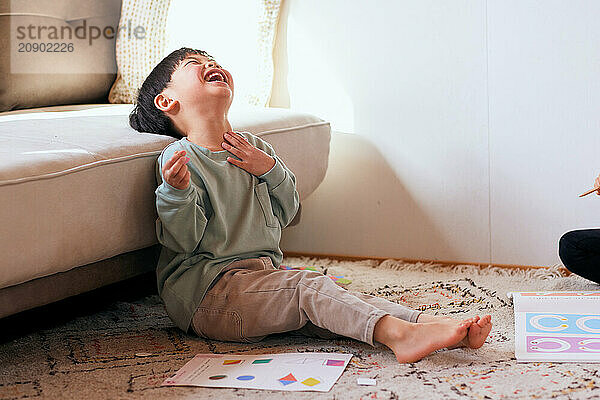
(229,362)
(310,382)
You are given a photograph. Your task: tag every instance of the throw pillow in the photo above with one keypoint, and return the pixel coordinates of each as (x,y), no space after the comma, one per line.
(238,33)
(136,58)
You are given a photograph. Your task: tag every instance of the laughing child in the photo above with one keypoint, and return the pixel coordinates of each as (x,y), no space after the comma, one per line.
(222,200)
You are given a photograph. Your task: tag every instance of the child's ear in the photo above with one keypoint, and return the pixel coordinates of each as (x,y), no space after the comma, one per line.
(164,103)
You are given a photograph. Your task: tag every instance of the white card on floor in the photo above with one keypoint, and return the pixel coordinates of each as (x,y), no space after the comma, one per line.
(366,381)
(284,371)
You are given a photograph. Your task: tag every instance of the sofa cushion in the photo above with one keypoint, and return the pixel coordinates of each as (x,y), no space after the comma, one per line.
(82,73)
(77,183)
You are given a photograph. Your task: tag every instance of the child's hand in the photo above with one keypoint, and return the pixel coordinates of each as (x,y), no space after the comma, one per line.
(175,171)
(253,160)
(597,185)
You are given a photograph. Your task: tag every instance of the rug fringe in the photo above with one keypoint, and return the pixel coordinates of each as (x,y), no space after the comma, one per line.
(327,262)
(552,272)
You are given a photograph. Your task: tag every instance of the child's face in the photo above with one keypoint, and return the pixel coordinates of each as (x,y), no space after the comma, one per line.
(201,81)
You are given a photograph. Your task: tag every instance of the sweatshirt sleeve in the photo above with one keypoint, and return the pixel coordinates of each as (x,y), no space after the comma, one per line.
(281,183)
(181,217)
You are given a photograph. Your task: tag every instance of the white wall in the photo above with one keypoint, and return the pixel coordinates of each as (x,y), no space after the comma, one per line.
(468,126)
(544,80)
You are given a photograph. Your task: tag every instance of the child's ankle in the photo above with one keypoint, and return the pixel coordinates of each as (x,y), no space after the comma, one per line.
(388,329)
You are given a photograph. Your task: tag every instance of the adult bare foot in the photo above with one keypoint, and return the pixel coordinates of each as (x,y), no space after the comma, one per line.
(411,342)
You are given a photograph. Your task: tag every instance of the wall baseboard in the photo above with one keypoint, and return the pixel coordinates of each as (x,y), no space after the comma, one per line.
(563,270)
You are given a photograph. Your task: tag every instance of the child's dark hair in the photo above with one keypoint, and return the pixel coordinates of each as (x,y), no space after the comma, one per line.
(145,117)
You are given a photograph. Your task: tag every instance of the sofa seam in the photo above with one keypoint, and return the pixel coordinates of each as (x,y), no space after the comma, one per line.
(291,128)
(140,155)
(79,168)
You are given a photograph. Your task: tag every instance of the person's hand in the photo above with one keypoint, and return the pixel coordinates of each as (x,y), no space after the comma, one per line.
(597,185)
(253,160)
(175,171)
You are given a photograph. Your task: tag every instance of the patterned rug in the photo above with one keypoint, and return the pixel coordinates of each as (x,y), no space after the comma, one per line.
(125,348)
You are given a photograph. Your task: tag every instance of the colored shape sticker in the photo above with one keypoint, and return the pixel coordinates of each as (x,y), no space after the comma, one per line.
(217,377)
(311,382)
(262,361)
(286,267)
(232,362)
(245,378)
(335,363)
(287,380)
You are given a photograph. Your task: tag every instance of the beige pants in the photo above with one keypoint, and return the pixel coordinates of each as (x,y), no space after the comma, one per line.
(252,299)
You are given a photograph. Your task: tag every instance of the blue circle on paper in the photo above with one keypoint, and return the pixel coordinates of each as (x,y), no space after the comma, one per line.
(245,378)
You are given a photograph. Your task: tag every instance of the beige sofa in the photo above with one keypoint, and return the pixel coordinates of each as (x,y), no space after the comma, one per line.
(77,193)
(77,183)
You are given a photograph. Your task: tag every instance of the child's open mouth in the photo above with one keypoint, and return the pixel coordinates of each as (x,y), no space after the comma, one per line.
(215,76)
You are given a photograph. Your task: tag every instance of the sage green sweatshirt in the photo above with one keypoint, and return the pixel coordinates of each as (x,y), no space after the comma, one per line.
(225,214)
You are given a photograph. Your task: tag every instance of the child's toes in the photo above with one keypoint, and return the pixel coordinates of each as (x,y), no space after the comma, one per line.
(473,336)
(465,324)
(474,329)
(484,321)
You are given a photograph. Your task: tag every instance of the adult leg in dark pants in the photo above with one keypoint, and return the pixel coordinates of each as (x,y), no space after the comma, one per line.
(580,252)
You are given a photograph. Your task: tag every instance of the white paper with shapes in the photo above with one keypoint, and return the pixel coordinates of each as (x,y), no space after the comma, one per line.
(288,371)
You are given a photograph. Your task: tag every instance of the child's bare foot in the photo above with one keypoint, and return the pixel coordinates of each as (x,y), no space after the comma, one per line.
(411,342)
(478,331)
